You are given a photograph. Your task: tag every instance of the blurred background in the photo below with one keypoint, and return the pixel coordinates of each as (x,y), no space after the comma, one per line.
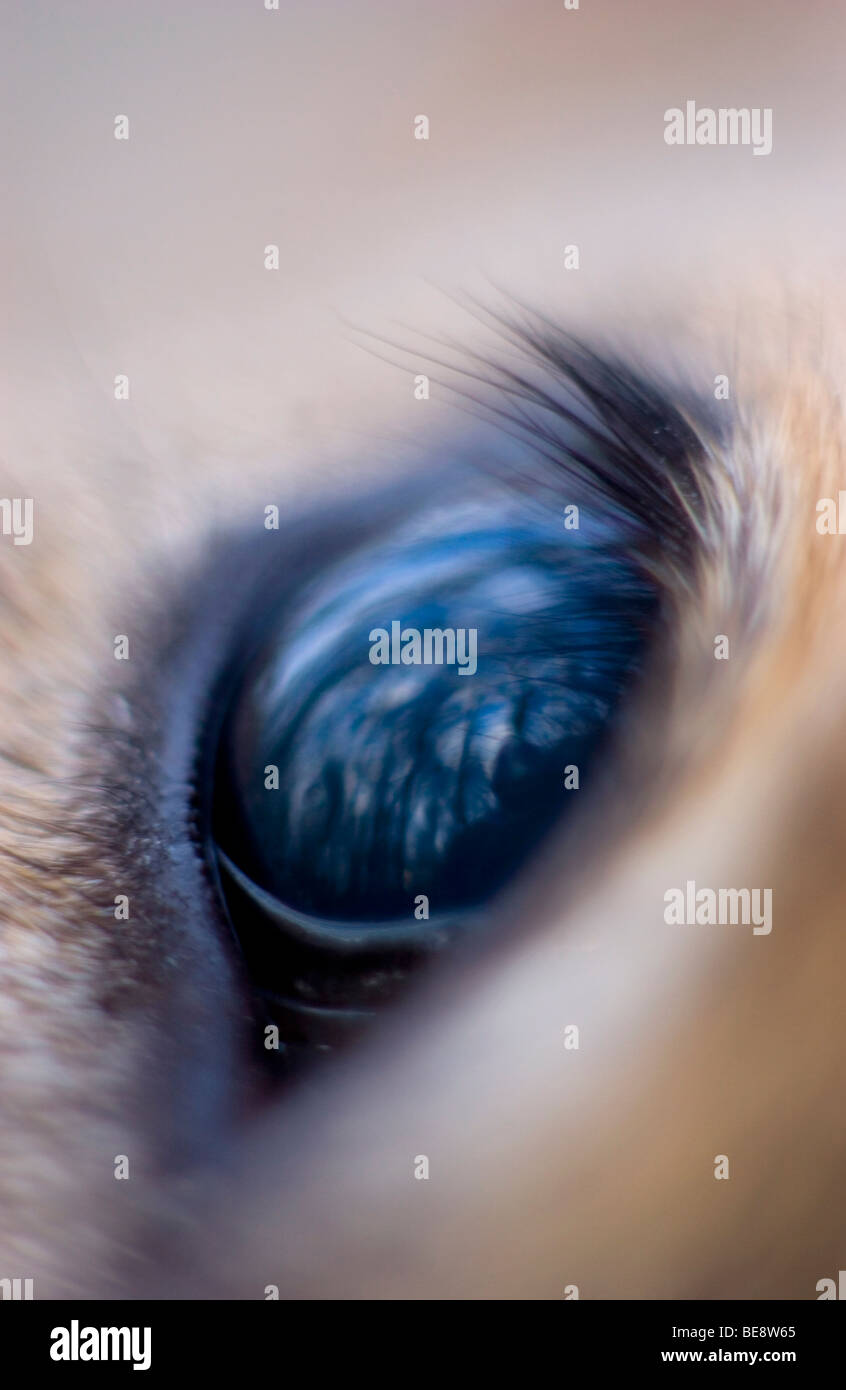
(295,127)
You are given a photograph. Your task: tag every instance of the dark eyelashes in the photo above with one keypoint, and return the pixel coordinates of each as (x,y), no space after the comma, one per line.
(644,452)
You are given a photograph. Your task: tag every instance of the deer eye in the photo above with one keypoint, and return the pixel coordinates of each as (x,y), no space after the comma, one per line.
(430,678)
(414,722)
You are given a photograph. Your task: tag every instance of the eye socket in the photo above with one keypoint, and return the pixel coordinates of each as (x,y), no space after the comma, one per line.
(365,768)
(416,780)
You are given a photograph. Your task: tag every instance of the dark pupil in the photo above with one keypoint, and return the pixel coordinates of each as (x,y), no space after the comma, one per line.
(406,779)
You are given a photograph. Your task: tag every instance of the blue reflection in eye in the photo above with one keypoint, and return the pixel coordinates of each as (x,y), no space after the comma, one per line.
(410,778)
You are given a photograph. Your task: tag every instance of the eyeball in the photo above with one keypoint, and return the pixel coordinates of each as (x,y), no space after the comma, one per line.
(403,734)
